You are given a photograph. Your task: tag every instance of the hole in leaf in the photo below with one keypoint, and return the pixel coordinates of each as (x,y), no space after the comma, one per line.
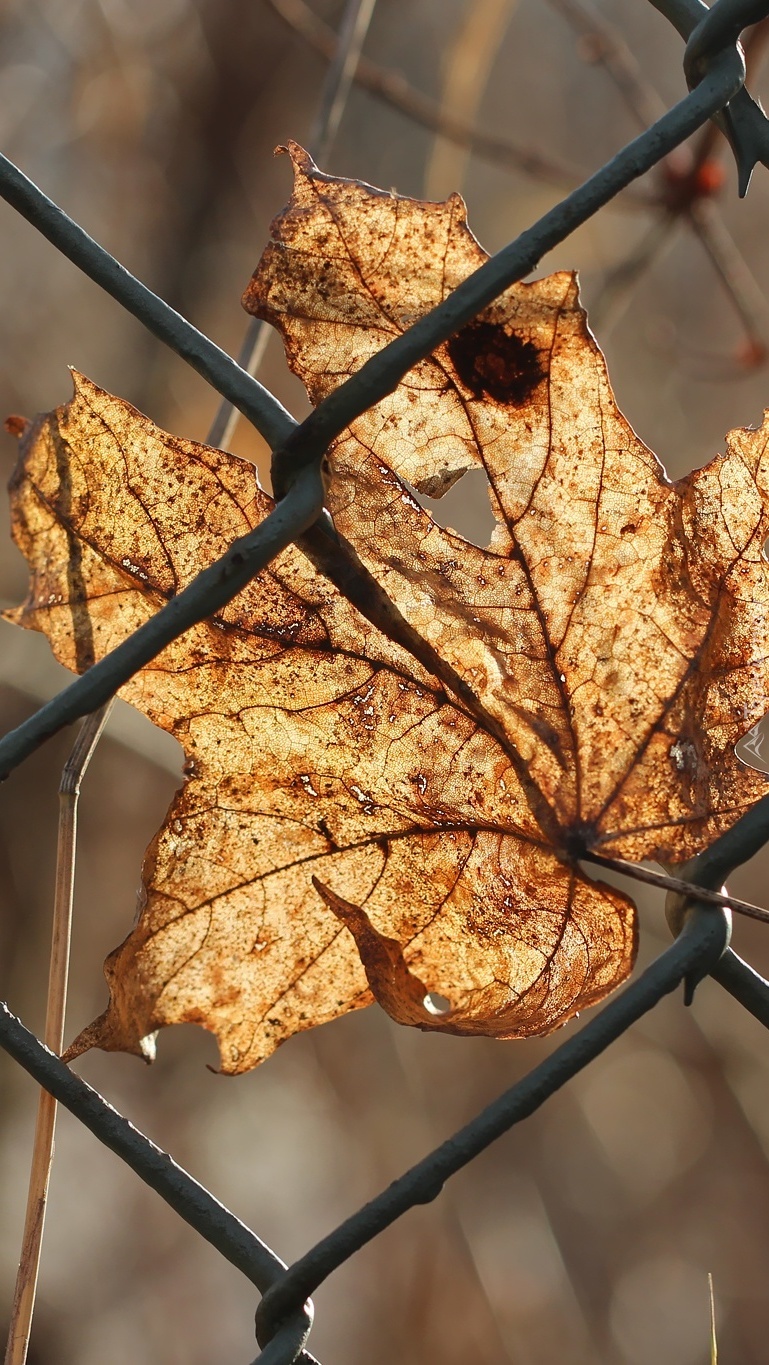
(435,1003)
(753,748)
(466,507)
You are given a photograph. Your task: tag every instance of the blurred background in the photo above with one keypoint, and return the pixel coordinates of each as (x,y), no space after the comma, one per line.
(587,1234)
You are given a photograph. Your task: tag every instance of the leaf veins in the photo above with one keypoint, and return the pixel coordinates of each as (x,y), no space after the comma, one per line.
(351,825)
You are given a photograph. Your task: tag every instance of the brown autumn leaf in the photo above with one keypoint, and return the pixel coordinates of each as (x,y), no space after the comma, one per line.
(612,641)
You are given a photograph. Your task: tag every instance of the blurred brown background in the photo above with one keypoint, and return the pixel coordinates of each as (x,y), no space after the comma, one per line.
(587,1234)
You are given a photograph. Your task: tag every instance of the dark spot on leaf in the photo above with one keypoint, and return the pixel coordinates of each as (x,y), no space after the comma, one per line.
(494,363)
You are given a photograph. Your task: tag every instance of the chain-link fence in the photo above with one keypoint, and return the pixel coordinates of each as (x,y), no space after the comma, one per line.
(715,70)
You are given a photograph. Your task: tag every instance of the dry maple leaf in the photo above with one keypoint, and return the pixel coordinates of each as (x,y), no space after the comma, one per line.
(609,649)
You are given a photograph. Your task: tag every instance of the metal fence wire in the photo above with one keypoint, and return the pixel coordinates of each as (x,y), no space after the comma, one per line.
(715,72)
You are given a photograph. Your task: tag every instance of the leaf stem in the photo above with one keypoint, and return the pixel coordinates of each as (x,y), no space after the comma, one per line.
(740,284)
(667,882)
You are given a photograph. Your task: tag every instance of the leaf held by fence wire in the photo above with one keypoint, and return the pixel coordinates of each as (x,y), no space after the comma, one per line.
(594,666)
(87,692)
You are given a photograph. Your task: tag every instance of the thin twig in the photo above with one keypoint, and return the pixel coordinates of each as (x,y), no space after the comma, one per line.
(395,91)
(255,402)
(340,76)
(680,197)
(739,282)
(250,357)
(297,463)
(713,1333)
(604,43)
(194,1204)
(619,284)
(468,60)
(333,98)
(42,1151)
(682,201)
(380,375)
(741,285)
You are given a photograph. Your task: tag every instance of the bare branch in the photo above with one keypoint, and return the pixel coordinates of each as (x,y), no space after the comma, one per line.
(604,43)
